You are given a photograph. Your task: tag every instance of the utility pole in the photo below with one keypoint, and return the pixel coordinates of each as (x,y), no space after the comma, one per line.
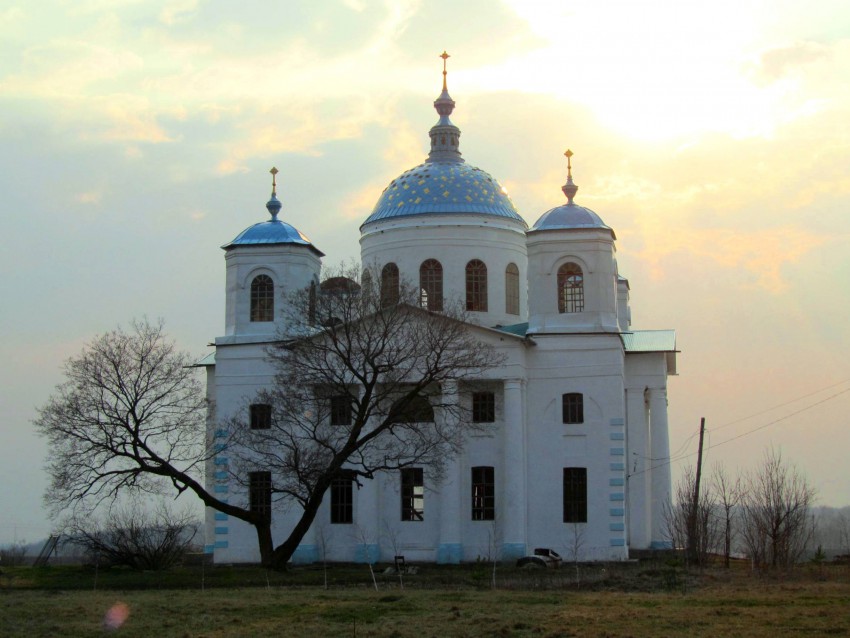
(693,524)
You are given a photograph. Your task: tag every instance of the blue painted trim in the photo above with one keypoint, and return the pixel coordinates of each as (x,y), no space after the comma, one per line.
(449,553)
(219,447)
(221,530)
(661,545)
(220,489)
(209,549)
(616,527)
(618,451)
(617,496)
(617,511)
(367,553)
(618,542)
(616,482)
(618,467)
(512,551)
(221,517)
(617,421)
(221,544)
(618,436)
(220,434)
(220,460)
(305,555)
(221,474)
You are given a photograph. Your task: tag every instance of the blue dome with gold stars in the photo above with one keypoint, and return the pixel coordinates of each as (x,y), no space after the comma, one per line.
(444,187)
(444,183)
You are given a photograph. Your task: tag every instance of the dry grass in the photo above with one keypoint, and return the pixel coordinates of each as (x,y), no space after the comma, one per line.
(717,603)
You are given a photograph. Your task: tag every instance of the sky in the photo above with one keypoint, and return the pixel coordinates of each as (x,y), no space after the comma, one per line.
(136,138)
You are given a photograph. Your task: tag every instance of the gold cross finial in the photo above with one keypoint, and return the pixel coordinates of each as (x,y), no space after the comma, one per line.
(445,57)
(274,173)
(569,155)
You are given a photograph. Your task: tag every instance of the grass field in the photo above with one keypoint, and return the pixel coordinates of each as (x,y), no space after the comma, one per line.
(438,601)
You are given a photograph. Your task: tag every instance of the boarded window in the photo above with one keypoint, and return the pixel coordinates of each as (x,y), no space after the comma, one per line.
(261,416)
(260,493)
(512,289)
(575,494)
(483,407)
(476,286)
(389,285)
(342,501)
(572,406)
(340,410)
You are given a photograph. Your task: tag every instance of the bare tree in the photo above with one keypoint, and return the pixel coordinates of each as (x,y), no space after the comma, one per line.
(137,538)
(129,419)
(575,545)
(368,384)
(776,526)
(728,494)
(689,521)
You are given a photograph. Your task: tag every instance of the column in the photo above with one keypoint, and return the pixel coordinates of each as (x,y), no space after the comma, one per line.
(514,505)
(450,547)
(661,481)
(638,469)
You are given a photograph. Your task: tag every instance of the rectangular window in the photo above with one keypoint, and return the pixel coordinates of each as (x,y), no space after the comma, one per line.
(261,416)
(573,407)
(342,501)
(483,494)
(260,493)
(483,407)
(341,410)
(412,494)
(575,494)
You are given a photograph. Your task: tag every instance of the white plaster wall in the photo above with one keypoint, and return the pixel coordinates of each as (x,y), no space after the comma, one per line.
(593,251)
(453,240)
(291,268)
(592,365)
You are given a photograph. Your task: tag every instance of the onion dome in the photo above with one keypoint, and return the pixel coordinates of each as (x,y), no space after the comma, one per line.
(444,183)
(273,231)
(570,216)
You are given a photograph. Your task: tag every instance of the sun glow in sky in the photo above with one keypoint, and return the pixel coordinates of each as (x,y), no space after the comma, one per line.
(136,138)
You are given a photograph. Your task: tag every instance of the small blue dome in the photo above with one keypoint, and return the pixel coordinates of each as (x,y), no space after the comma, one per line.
(434,188)
(272,232)
(570,216)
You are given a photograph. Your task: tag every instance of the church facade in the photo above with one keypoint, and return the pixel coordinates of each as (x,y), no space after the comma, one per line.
(571,447)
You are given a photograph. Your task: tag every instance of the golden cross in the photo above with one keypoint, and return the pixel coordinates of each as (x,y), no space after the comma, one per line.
(445,57)
(274,173)
(568,155)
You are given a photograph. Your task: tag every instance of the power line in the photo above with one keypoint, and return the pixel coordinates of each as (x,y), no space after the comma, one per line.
(671,460)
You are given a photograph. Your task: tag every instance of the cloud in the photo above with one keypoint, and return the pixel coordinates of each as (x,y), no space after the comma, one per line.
(748,259)
(90,197)
(777,63)
(177,11)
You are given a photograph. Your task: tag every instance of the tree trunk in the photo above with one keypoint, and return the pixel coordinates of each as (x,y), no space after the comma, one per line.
(264,538)
(283,552)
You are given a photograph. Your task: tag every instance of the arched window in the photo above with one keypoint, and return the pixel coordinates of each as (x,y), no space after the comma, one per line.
(417,410)
(262,298)
(512,289)
(570,288)
(431,285)
(389,285)
(476,286)
(572,406)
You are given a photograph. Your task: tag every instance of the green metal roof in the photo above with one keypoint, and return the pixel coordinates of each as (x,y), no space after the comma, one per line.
(650,341)
(518,329)
(208,360)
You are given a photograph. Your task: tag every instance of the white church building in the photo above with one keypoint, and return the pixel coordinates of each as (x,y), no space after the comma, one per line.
(572,452)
